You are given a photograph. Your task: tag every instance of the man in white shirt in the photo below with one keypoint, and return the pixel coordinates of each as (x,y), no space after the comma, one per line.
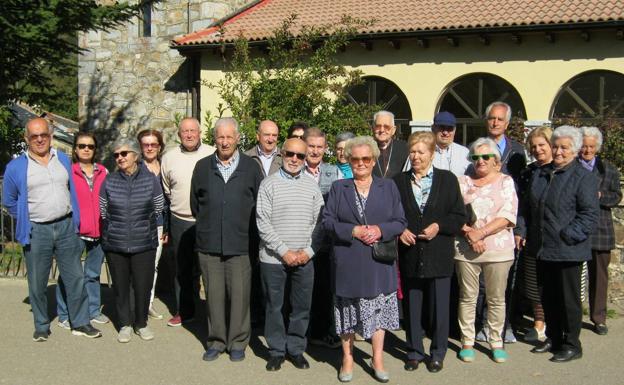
(448,154)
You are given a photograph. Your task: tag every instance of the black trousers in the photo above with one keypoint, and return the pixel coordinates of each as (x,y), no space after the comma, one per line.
(322,311)
(561,298)
(136,270)
(187,266)
(436,292)
(598,285)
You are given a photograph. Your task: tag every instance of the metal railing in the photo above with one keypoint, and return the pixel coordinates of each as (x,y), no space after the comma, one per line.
(12,262)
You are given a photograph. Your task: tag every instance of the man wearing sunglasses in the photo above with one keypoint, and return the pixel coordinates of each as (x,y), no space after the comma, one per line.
(288,218)
(39,193)
(448,155)
(224,188)
(176,170)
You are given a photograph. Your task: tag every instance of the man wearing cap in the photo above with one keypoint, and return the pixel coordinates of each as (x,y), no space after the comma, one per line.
(448,154)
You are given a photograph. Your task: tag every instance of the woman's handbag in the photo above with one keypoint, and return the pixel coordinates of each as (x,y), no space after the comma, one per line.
(383,251)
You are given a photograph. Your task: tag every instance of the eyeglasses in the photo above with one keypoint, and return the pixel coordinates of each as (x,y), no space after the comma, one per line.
(290,154)
(476,157)
(364,159)
(385,127)
(150,145)
(44,136)
(123,154)
(82,146)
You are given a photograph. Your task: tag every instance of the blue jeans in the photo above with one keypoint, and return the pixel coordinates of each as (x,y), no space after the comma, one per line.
(56,239)
(92,269)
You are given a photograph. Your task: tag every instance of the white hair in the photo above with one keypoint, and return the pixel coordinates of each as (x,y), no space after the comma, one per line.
(131,144)
(570,132)
(361,141)
(484,142)
(595,132)
(383,113)
(227,121)
(499,104)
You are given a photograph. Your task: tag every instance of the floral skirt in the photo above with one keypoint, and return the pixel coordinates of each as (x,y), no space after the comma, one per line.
(366,315)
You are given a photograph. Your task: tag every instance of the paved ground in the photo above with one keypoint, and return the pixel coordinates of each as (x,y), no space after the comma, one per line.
(174,357)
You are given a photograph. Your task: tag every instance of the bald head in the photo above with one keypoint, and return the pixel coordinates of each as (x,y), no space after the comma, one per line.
(267,135)
(293,155)
(38,135)
(189,133)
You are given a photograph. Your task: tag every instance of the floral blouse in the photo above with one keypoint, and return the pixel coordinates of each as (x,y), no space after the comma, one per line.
(497,199)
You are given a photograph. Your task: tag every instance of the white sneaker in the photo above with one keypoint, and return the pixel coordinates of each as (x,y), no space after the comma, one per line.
(154,314)
(64,324)
(125,334)
(101,319)
(145,333)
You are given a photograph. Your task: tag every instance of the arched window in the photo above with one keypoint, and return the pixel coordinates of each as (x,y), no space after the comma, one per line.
(375,90)
(467,98)
(590,97)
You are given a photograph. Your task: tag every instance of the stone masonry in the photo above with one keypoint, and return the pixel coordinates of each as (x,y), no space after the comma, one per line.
(128,82)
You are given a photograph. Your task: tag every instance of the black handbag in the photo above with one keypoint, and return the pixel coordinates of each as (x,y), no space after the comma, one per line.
(383,251)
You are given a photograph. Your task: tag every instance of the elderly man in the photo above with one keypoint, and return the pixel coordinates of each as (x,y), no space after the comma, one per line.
(393,152)
(176,171)
(322,327)
(448,154)
(266,152)
(39,193)
(287,213)
(513,159)
(223,201)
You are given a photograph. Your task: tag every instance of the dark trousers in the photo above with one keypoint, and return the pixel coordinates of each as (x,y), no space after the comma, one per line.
(227,283)
(598,285)
(136,270)
(561,299)
(274,280)
(183,246)
(322,311)
(436,292)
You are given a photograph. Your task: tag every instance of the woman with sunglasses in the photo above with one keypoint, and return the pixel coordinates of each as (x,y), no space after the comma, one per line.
(88,177)
(131,199)
(360,212)
(487,246)
(435,214)
(152,146)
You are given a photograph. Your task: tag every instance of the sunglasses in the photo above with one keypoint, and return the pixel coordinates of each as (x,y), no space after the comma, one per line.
(149,145)
(44,136)
(476,157)
(82,146)
(290,154)
(123,154)
(364,159)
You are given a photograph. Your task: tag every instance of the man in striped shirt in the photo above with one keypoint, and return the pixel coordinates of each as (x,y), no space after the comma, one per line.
(288,217)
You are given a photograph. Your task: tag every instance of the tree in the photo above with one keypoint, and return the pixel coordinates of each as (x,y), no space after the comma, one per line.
(295,77)
(39,45)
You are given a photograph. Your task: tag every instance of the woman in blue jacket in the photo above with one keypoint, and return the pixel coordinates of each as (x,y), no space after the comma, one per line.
(563,209)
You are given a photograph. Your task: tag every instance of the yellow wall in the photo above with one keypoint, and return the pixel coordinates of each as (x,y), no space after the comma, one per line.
(536,68)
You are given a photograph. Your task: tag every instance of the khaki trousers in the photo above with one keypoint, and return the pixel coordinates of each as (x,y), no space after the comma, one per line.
(495,274)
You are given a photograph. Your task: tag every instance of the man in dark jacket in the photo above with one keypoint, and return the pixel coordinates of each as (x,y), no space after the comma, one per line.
(224,189)
(392,152)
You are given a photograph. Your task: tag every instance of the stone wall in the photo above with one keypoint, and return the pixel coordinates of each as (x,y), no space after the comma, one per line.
(616,268)
(128,82)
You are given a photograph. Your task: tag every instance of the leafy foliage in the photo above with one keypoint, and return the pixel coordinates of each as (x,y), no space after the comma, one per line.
(296,77)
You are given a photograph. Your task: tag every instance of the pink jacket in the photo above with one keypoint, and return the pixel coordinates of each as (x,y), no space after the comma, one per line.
(88,200)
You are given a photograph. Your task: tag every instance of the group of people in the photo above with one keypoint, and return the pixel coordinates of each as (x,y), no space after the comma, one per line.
(334,249)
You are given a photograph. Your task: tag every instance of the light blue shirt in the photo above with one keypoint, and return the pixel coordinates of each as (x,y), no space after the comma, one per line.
(228,169)
(502,145)
(454,158)
(422,187)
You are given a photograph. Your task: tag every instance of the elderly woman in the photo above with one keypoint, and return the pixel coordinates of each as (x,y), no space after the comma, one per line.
(341,161)
(435,213)
(603,238)
(487,246)
(538,145)
(152,146)
(360,212)
(88,177)
(131,199)
(563,205)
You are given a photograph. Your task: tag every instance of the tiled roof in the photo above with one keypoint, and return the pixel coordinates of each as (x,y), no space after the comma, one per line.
(407,16)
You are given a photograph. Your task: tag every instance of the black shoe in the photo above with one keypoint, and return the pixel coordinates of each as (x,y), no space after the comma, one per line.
(87,331)
(601,329)
(567,355)
(299,361)
(411,365)
(543,347)
(41,336)
(275,363)
(211,354)
(434,366)
(237,355)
